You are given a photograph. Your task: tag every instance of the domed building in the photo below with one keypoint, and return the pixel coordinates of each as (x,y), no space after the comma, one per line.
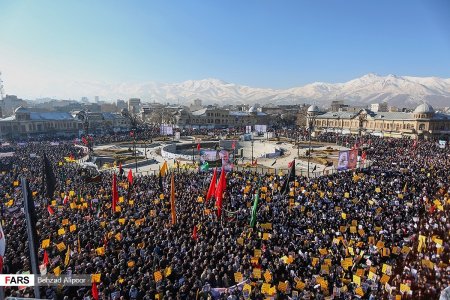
(28,123)
(423,122)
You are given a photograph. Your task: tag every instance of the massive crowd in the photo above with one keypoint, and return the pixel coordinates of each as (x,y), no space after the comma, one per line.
(377,233)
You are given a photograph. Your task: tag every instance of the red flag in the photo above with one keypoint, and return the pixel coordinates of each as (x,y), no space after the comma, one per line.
(45,258)
(219,192)
(233,145)
(66,199)
(83,139)
(120,167)
(415,144)
(212,185)
(94,291)
(1,264)
(130,176)
(71,156)
(131,133)
(194,233)
(290,164)
(115,193)
(198,147)
(50,210)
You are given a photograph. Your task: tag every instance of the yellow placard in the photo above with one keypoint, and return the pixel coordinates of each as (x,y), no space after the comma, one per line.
(357,280)
(130,263)
(72,227)
(282,286)
(256,273)
(16,183)
(45,243)
(344,216)
(57,271)
(377,190)
(122,221)
(167,271)
(61,246)
(158,276)
(257,252)
(238,277)
(384,279)
(100,251)
(267,276)
(96,278)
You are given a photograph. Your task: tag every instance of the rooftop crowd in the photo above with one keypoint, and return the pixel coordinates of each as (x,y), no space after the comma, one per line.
(376,233)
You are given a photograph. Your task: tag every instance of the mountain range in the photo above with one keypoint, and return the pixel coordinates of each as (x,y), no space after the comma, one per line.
(401,91)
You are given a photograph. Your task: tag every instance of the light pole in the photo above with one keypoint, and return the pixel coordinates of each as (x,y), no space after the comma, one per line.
(193,147)
(252,151)
(312,111)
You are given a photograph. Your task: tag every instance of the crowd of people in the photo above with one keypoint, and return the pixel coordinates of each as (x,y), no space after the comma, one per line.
(375,233)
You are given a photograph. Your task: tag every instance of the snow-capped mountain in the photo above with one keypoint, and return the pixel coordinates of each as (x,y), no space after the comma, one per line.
(403,91)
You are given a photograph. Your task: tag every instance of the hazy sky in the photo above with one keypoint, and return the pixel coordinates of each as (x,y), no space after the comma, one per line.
(277,44)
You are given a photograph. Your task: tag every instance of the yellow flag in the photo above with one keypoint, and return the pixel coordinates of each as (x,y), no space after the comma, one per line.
(67,259)
(163,170)
(57,271)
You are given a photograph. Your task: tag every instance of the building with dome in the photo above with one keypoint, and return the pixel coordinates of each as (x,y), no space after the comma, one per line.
(423,122)
(26,123)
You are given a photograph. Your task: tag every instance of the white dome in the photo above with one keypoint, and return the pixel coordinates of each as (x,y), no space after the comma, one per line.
(20,109)
(313,109)
(252,109)
(424,108)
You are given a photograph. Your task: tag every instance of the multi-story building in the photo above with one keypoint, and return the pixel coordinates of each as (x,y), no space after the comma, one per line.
(379,107)
(26,123)
(134,106)
(213,117)
(105,122)
(422,122)
(9,103)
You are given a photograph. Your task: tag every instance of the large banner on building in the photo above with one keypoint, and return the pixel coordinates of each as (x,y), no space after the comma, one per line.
(209,155)
(343,160)
(261,128)
(226,164)
(352,158)
(166,129)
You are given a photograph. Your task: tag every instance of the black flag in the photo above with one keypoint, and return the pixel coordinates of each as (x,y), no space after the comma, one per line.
(31,219)
(274,162)
(315,167)
(290,178)
(49,178)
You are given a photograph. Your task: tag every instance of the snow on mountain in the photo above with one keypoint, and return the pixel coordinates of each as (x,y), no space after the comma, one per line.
(397,90)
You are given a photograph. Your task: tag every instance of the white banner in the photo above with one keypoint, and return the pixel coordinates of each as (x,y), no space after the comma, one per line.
(166,129)
(248,129)
(343,160)
(6,154)
(442,144)
(261,128)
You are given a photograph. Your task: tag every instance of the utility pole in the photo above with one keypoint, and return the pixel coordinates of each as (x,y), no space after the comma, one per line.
(312,111)
(252,151)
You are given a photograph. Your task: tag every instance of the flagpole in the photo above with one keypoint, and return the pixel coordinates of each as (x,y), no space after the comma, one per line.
(31,232)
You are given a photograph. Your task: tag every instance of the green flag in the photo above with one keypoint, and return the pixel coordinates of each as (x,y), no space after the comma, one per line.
(254,210)
(205,166)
